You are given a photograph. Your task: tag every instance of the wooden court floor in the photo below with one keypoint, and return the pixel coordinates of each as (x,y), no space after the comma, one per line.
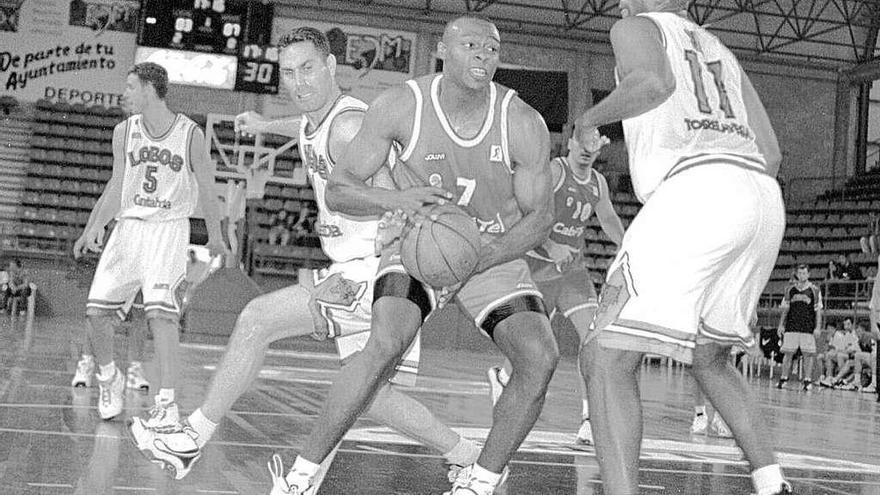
(52,442)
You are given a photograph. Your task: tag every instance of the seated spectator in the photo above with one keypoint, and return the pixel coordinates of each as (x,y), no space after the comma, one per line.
(822,347)
(278,228)
(856,360)
(842,344)
(847,270)
(17,287)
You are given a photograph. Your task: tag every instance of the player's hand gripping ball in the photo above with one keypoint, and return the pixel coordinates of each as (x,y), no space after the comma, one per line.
(441,249)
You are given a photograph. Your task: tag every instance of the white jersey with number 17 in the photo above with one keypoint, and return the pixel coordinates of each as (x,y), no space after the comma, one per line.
(703,121)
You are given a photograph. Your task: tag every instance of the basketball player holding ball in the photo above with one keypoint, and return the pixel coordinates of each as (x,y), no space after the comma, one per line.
(461,134)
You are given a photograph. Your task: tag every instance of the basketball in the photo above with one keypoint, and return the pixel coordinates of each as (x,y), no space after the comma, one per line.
(444,251)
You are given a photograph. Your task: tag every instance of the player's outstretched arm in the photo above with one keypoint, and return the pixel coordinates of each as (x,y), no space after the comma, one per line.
(108,205)
(759,121)
(388,119)
(532,186)
(608,219)
(646,79)
(203,170)
(251,122)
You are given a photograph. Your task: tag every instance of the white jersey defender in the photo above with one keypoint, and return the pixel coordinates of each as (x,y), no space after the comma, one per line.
(704,119)
(697,256)
(349,242)
(147,250)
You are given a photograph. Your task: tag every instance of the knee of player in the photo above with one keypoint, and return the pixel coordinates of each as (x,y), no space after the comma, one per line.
(539,357)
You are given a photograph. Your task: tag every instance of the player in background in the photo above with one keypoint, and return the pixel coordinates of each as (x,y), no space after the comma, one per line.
(340,300)
(85,367)
(686,281)
(160,171)
(459,132)
(558,265)
(800,325)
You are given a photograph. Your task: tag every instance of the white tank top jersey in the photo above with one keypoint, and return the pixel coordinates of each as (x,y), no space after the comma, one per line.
(703,121)
(343,237)
(159,184)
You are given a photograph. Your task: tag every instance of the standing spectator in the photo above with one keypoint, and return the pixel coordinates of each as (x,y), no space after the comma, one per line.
(833,297)
(842,343)
(18,286)
(848,272)
(800,325)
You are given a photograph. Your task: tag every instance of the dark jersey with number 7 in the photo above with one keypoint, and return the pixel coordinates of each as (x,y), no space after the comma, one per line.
(477,171)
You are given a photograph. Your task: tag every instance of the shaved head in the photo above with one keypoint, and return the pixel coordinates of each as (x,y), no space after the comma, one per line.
(469,24)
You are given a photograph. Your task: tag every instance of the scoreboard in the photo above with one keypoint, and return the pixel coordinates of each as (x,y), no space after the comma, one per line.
(240,28)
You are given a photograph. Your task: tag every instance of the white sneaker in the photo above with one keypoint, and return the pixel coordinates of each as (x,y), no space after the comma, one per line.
(162,415)
(585,433)
(173,447)
(85,368)
(496,384)
(700,425)
(464,484)
(134,377)
(110,395)
(719,428)
(292,484)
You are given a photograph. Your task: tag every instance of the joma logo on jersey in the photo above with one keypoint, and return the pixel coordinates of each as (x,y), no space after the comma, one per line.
(316,164)
(327,230)
(155,154)
(435,157)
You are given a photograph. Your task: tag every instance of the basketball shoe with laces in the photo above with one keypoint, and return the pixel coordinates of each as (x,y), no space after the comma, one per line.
(162,415)
(173,447)
(700,424)
(85,368)
(585,433)
(110,395)
(465,484)
(293,484)
(719,428)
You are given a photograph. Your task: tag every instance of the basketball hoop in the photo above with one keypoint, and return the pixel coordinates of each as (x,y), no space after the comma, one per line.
(257,177)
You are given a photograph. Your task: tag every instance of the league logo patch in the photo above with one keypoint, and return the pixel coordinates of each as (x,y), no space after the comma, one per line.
(495,153)
(435,180)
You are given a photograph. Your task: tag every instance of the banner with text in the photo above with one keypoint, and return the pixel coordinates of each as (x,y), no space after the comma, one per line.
(368,60)
(71,51)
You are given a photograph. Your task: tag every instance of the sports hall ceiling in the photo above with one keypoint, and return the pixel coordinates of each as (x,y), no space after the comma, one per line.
(822,33)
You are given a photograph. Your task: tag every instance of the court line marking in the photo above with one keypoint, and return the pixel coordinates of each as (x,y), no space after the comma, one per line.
(369,450)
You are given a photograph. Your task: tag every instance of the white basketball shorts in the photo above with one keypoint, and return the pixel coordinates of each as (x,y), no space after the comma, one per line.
(693,263)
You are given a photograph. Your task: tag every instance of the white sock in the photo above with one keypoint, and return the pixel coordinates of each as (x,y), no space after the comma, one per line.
(302,472)
(768,480)
(699,410)
(585,410)
(87,357)
(134,364)
(202,425)
(105,372)
(481,474)
(166,395)
(464,453)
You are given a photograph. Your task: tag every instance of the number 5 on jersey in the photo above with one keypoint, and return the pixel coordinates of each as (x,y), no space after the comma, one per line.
(150,181)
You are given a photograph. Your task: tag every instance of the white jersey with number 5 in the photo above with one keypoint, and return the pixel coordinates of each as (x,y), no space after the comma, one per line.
(703,121)
(343,237)
(159,184)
